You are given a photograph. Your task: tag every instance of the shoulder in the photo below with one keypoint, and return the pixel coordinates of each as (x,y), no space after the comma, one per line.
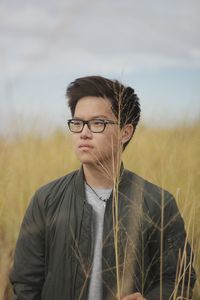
(154,196)
(156,201)
(56,184)
(52,191)
(146,186)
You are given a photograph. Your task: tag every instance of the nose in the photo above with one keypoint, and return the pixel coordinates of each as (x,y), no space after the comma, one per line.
(86,132)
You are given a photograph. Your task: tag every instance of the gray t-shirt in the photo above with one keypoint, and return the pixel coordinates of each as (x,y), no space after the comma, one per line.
(95,287)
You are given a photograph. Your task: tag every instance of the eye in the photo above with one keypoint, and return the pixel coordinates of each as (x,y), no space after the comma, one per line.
(76,122)
(97,122)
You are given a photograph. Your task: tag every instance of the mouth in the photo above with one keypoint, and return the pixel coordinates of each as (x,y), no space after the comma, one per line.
(85,147)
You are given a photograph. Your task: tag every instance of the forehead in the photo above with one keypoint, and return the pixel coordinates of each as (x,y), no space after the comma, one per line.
(93,107)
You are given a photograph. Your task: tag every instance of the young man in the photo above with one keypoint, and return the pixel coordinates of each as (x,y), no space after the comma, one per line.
(102,232)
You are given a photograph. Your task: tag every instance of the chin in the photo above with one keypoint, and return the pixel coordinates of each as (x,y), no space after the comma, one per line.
(86,159)
(88,162)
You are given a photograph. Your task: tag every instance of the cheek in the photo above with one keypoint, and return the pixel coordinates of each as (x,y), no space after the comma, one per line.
(74,138)
(114,138)
(109,142)
(74,141)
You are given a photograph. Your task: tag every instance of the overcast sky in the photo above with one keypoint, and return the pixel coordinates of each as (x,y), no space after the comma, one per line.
(154,46)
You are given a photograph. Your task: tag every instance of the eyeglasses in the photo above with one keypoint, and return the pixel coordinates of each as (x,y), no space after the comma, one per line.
(95,125)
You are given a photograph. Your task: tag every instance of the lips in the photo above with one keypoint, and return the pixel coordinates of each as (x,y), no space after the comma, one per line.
(85,146)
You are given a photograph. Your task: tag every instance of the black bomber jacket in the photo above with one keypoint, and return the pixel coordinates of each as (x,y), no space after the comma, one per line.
(53,256)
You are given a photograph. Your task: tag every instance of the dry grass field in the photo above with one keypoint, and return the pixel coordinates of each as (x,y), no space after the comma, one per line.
(167,157)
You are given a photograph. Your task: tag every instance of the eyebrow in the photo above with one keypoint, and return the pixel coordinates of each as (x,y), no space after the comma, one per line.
(93,117)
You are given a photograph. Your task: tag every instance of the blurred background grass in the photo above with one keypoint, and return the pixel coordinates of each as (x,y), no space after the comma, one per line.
(167,157)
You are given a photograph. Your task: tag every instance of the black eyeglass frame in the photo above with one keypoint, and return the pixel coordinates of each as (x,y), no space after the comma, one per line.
(104,122)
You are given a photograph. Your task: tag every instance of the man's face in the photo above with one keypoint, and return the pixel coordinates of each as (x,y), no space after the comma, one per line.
(93,148)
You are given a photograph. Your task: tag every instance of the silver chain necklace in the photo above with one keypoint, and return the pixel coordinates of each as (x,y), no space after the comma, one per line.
(99,197)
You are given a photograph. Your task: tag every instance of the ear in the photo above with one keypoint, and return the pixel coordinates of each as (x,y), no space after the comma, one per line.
(126,133)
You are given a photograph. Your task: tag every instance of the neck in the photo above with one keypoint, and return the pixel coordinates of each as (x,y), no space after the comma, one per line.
(100,176)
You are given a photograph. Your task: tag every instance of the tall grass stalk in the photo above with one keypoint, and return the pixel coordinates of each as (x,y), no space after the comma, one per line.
(161,244)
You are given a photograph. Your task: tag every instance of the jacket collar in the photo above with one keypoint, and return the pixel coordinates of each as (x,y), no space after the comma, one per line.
(80,178)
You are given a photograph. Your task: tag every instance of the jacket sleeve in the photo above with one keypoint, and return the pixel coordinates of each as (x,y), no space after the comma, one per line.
(175,256)
(28,272)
